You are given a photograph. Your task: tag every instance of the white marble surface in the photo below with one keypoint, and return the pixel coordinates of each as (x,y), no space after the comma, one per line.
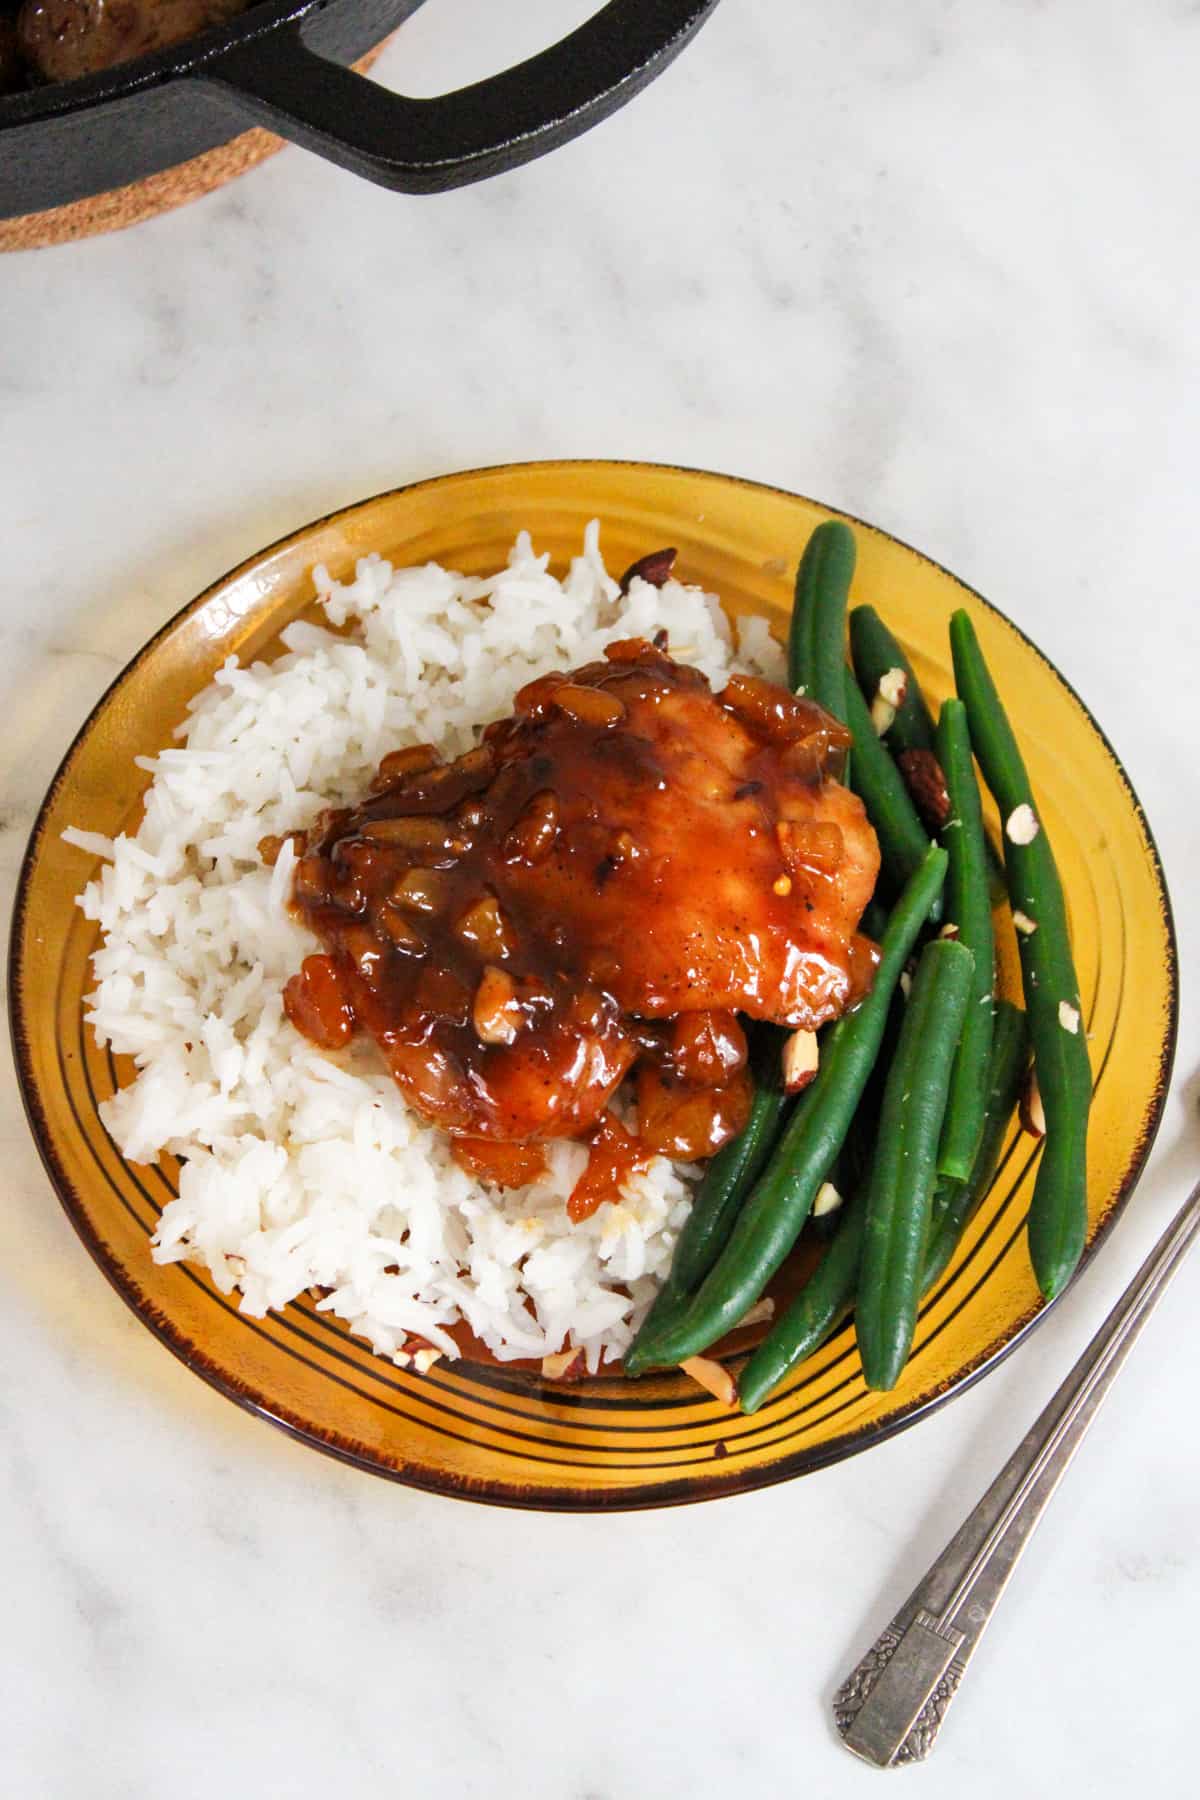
(935,263)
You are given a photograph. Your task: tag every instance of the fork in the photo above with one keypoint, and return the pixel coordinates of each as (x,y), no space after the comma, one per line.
(890,1708)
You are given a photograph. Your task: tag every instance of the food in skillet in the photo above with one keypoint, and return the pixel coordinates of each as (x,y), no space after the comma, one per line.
(305,1165)
(59,40)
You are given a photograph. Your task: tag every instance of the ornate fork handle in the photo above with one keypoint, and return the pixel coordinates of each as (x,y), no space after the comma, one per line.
(890,1708)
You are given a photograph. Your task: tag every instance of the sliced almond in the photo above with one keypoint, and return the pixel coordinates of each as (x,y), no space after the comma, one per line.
(889,698)
(828,1200)
(497,1013)
(949,931)
(801,1059)
(759,1313)
(474,765)
(365,949)
(1024,924)
(1068,1017)
(424,1360)
(416,759)
(399,932)
(713,1376)
(532,837)
(1032,1115)
(883,715)
(1021,825)
(313,880)
(590,705)
(485,929)
(419,836)
(562,1365)
(421,890)
(893,687)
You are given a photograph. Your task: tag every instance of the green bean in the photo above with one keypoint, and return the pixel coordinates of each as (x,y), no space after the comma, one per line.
(729,1177)
(829,1292)
(822,584)
(815,1311)
(830,675)
(817,634)
(1058,1211)
(852,1164)
(903,841)
(772,1217)
(900,1191)
(718,1199)
(875,651)
(968,906)
(954,1202)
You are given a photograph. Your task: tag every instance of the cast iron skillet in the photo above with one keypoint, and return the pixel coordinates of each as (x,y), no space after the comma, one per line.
(282,65)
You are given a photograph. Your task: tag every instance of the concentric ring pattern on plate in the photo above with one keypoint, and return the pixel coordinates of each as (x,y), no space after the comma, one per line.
(500,1435)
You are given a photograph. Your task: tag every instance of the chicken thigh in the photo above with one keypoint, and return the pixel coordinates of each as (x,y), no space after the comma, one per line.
(618,870)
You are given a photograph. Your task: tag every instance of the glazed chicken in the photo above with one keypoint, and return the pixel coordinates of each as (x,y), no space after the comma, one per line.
(616,875)
(59,40)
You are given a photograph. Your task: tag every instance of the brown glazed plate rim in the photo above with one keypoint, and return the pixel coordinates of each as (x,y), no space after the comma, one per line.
(526,1495)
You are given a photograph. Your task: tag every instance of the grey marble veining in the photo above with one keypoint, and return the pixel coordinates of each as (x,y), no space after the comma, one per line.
(935,264)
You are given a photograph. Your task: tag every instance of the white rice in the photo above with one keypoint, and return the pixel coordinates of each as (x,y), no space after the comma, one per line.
(309,1170)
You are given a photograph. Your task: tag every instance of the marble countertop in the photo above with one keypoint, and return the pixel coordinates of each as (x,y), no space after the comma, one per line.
(936,265)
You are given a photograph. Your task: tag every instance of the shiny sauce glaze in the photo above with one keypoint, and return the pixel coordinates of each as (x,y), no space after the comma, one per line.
(605,884)
(60,40)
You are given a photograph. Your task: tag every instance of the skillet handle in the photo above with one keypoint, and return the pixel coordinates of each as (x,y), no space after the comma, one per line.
(426,146)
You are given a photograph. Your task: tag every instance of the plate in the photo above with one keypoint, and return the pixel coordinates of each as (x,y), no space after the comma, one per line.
(495,1434)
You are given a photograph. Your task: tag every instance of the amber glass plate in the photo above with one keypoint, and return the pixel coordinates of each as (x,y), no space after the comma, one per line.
(484,1432)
